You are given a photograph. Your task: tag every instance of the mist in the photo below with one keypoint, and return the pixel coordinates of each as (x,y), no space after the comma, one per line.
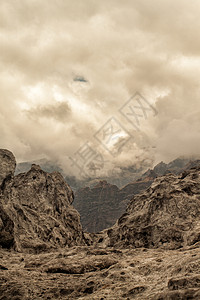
(70,70)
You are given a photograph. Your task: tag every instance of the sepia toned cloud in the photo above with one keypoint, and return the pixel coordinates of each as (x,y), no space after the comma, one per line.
(67,67)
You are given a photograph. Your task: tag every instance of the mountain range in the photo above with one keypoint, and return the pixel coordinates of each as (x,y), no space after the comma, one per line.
(103,203)
(151,251)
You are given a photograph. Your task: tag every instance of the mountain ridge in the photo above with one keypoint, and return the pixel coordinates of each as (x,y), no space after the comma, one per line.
(150,253)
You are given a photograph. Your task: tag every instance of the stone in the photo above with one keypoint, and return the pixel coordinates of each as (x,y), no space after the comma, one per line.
(165,216)
(6,229)
(101,204)
(151,252)
(36,212)
(88,272)
(7,166)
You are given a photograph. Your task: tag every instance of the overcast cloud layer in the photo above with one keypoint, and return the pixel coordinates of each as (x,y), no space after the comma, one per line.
(67,67)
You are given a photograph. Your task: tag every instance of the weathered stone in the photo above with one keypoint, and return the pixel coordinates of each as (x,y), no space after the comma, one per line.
(165,216)
(94,273)
(36,215)
(36,211)
(7,166)
(6,229)
(103,203)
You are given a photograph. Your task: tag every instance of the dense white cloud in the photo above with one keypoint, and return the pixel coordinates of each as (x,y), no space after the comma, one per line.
(118,48)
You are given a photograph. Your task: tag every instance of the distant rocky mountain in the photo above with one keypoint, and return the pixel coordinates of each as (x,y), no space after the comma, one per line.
(120,178)
(46,165)
(150,253)
(35,209)
(101,201)
(166,215)
(101,204)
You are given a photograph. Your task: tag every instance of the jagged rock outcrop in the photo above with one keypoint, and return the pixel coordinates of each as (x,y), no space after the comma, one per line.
(102,203)
(98,206)
(166,215)
(36,212)
(7,166)
(6,229)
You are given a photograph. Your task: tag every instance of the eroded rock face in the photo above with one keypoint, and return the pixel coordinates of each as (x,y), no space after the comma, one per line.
(6,229)
(36,214)
(99,206)
(103,204)
(96,273)
(7,165)
(7,169)
(166,215)
(36,210)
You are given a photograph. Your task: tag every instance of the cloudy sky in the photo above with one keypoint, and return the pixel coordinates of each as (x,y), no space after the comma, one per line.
(68,70)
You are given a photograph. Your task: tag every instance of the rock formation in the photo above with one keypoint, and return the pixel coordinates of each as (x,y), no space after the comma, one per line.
(101,274)
(103,203)
(36,212)
(166,215)
(99,206)
(151,253)
(7,166)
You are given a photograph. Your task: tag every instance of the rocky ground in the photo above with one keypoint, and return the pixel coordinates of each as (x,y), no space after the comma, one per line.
(97,273)
(152,251)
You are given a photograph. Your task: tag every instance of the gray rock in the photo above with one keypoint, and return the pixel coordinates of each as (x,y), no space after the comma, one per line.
(89,273)
(165,216)
(36,214)
(102,203)
(6,229)
(39,205)
(7,165)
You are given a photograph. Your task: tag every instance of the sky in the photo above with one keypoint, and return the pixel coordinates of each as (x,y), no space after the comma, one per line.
(100,84)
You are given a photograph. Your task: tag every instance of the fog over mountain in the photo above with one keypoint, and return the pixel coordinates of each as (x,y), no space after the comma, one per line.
(68,68)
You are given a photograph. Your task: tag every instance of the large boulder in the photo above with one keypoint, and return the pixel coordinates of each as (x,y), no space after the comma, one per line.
(166,215)
(37,205)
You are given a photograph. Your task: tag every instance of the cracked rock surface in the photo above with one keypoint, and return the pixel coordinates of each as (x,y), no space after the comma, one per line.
(97,273)
(151,253)
(36,212)
(8,164)
(166,215)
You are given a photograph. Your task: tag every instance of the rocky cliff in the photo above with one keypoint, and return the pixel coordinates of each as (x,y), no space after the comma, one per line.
(99,206)
(35,209)
(166,215)
(103,203)
(151,253)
